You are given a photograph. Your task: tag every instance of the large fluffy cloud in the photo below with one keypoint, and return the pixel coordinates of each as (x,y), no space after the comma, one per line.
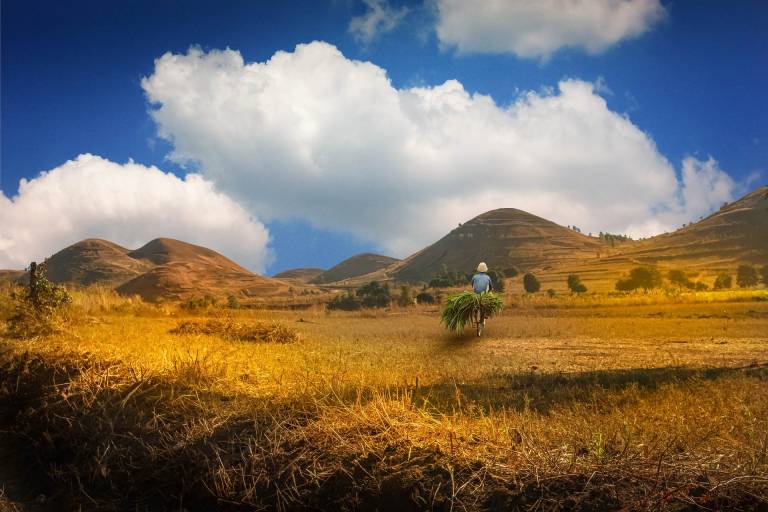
(129,204)
(315,135)
(538,28)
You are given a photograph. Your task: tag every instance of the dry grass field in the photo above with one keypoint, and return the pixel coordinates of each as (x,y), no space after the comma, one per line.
(638,402)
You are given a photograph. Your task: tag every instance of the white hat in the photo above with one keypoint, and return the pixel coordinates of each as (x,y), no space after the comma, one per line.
(482,267)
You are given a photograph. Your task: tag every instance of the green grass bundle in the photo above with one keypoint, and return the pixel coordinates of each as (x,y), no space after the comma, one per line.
(459,309)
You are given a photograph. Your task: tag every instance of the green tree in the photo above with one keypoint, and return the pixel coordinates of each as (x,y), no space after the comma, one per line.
(406,296)
(345,302)
(531,283)
(575,284)
(678,277)
(723,281)
(374,295)
(746,276)
(646,278)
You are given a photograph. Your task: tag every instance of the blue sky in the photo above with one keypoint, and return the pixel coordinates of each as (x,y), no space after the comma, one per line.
(72,72)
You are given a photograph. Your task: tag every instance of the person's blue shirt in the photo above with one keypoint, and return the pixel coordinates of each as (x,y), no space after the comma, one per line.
(481,282)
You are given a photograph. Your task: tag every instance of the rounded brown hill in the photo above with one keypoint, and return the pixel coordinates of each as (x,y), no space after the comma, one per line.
(502,238)
(94,261)
(300,275)
(355,266)
(185,270)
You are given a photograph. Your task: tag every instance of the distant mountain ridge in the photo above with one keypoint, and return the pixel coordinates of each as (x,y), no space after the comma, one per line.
(358,265)
(300,275)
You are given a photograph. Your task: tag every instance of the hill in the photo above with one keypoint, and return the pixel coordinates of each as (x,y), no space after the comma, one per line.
(299,275)
(735,234)
(94,261)
(162,269)
(502,238)
(183,270)
(355,266)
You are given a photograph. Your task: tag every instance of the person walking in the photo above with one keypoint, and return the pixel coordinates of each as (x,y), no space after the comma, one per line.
(481,282)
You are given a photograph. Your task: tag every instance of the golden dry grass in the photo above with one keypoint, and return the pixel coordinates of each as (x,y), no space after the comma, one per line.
(570,403)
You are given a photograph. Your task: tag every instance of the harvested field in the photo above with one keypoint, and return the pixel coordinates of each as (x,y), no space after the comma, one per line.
(572,403)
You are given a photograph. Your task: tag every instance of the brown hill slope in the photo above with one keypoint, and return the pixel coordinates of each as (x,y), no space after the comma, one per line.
(162,269)
(299,275)
(737,233)
(183,270)
(94,261)
(502,238)
(355,266)
(184,279)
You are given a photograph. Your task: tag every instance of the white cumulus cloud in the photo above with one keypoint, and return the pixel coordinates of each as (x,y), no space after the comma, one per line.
(538,28)
(315,135)
(379,18)
(129,204)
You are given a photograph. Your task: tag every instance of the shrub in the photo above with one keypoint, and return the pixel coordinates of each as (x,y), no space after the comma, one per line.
(646,278)
(35,306)
(197,303)
(459,308)
(374,295)
(746,276)
(764,274)
(551,292)
(723,281)
(511,271)
(344,302)
(531,283)
(497,279)
(406,297)
(232,302)
(425,298)
(575,284)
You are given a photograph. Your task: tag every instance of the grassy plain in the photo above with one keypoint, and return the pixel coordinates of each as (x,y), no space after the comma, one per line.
(569,403)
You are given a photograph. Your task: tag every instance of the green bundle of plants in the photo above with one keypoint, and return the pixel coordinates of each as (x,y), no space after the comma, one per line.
(459,310)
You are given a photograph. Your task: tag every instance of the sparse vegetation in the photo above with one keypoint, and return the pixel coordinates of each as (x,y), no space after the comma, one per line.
(746,276)
(448,279)
(531,283)
(344,302)
(35,307)
(564,399)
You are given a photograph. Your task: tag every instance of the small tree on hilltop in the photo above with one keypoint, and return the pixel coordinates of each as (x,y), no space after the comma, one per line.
(723,281)
(531,283)
(575,284)
(746,276)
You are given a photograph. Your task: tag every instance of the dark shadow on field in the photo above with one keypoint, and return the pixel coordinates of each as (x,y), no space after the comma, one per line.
(541,392)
